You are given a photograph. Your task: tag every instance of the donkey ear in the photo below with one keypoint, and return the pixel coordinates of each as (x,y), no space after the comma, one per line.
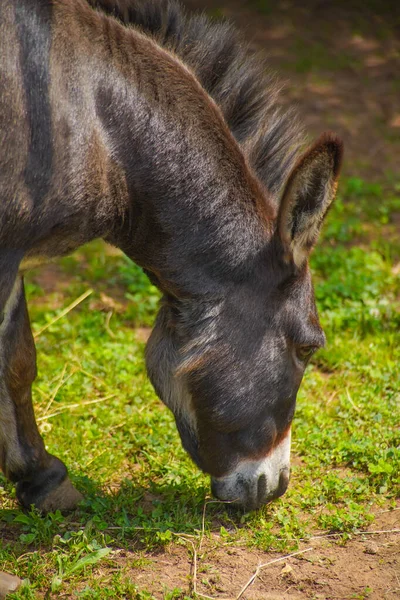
(310,190)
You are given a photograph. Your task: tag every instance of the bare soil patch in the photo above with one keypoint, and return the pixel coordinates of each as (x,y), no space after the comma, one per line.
(367,566)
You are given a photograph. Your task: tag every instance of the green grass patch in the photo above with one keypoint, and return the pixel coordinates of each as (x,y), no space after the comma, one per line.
(265,7)
(313,56)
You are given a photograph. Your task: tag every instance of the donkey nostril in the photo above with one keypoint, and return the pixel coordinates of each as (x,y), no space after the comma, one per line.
(283,481)
(261,488)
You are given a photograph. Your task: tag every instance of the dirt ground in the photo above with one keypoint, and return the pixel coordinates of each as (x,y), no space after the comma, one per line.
(367,566)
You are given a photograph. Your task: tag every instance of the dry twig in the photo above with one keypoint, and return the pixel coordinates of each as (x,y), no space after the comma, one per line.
(63,313)
(332,535)
(64,409)
(107,324)
(61,382)
(264,565)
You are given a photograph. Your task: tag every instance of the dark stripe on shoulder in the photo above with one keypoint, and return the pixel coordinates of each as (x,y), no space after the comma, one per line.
(33,21)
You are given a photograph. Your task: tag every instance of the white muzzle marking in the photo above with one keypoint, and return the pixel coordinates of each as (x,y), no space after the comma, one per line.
(255,482)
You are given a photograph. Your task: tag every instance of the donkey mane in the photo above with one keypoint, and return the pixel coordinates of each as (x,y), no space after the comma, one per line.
(237,79)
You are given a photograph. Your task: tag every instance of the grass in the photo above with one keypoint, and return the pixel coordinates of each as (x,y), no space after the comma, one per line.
(312,56)
(98,412)
(262,6)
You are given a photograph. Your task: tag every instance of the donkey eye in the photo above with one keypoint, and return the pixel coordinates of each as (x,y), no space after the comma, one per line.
(305,352)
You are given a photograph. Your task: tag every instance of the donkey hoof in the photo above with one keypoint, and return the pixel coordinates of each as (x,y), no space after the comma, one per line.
(8,584)
(63,498)
(49,489)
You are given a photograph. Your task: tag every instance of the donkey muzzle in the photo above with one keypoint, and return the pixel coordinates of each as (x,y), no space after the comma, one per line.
(256,482)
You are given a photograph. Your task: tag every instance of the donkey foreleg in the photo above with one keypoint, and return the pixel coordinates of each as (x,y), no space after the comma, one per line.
(41,479)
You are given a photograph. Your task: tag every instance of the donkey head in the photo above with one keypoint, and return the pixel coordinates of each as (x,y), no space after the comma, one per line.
(230,368)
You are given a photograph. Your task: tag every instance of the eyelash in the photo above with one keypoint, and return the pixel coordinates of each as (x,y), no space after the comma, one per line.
(304,353)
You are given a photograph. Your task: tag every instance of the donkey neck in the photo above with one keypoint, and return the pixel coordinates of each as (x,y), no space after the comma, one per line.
(195,213)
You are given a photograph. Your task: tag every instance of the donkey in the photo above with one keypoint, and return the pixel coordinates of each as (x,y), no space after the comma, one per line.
(161,134)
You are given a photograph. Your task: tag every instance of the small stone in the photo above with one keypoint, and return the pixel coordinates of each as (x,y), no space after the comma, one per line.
(395,122)
(371,548)
(8,583)
(287,569)
(289,574)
